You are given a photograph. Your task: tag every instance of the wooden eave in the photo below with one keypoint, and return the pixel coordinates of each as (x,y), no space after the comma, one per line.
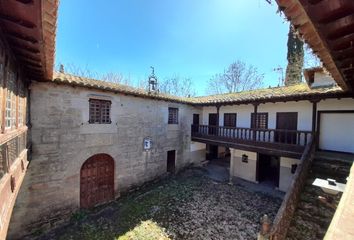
(328,27)
(29,28)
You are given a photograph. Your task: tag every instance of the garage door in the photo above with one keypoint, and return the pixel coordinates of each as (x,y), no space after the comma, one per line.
(337,132)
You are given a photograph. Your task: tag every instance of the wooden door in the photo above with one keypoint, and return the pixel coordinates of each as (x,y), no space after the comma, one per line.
(286,121)
(171,161)
(195,122)
(195,119)
(213,122)
(229,119)
(268,169)
(97,181)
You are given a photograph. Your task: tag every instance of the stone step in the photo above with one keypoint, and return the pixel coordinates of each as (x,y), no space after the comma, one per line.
(332,168)
(312,217)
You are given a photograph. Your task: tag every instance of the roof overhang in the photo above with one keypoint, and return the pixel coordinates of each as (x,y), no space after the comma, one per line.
(328,27)
(29,28)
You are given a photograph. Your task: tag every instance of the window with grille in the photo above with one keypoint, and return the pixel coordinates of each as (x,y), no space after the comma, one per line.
(172,115)
(100,111)
(21,104)
(20,111)
(229,119)
(10,107)
(261,120)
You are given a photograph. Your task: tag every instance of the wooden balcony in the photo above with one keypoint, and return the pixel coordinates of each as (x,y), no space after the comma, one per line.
(288,143)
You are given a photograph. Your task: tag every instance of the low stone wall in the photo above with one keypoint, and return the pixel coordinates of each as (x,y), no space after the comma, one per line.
(285,213)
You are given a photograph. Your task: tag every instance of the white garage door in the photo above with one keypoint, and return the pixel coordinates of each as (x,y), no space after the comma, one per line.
(337,132)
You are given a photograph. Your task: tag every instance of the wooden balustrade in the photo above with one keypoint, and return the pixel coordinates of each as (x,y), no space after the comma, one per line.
(279,136)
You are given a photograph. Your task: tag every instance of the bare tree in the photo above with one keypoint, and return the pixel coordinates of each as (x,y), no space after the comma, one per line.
(114,77)
(178,86)
(237,77)
(76,70)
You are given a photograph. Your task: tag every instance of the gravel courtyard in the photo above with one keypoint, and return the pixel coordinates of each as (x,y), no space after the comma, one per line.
(186,206)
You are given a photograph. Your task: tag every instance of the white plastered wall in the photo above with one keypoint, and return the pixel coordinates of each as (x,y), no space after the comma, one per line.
(285,175)
(241,169)
(304,109)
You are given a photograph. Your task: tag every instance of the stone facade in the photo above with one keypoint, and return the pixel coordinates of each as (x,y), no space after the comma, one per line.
(62,139)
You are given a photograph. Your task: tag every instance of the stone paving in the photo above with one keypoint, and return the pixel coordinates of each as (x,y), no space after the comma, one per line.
(189,205)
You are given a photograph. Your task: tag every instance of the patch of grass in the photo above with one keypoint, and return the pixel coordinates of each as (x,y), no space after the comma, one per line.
(146,230)
(78,216)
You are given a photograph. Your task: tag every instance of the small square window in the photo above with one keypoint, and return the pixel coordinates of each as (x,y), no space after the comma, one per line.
(100,111)
(172,115)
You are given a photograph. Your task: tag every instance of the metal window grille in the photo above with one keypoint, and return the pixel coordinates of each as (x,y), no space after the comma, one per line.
(100,111)
(261,120)
(172,115)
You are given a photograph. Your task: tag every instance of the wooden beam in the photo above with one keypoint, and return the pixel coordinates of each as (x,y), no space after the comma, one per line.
(314,114)
(18,21)
(22,37)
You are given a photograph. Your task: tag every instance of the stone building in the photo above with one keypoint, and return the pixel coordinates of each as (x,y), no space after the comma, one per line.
(90,141)
(71,140)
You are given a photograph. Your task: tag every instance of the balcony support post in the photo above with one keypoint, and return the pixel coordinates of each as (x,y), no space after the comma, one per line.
(255,120)
(218,115)
(314,114)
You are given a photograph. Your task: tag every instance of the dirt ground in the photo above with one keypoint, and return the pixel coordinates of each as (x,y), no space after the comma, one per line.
(189,205)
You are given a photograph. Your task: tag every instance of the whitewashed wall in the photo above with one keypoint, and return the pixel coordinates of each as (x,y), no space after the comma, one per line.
(246,171)
(304,109)
(336,104)
(285,175)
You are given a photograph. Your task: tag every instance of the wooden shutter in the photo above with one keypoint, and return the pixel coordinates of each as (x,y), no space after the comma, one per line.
(229,119)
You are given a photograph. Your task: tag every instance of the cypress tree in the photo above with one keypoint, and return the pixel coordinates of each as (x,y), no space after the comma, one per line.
(295,58)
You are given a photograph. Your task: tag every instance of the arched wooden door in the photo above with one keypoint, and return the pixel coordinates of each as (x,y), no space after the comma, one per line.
(97,180)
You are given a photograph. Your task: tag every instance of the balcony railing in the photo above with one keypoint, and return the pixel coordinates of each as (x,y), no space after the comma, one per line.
(294,139)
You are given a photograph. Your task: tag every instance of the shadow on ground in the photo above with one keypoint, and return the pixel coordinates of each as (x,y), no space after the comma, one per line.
(189,205)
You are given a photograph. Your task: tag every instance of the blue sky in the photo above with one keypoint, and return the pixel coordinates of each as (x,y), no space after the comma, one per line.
(189,38)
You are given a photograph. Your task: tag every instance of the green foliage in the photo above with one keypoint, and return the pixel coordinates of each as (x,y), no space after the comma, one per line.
(78,216)
(295,58)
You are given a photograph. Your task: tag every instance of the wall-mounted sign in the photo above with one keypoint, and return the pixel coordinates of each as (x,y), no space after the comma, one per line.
(147,144)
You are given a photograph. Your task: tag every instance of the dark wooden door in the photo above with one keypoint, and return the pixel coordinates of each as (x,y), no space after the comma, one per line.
(97,180)
(212,152)
(268,169)
(171,161)
(286,121)
(196,119)
(229,119)
(195,122)
(213,122)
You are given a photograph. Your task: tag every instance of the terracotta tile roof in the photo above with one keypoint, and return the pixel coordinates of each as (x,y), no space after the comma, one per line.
(64,78)
(327,26)
(295,92)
